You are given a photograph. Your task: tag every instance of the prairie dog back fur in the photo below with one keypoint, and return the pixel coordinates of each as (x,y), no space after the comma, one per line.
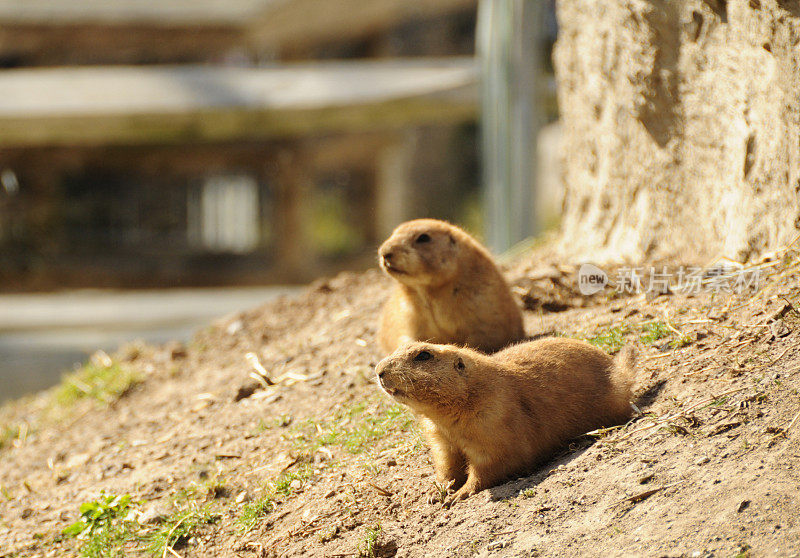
(487,417)
(448,290)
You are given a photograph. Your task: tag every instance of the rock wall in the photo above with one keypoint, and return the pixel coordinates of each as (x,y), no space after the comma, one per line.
(681,127)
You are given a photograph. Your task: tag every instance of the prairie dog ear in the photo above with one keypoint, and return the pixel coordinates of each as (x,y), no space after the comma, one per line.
(452,240)
(459,365)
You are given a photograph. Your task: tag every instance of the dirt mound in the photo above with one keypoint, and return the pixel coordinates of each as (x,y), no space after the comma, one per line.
(266,436)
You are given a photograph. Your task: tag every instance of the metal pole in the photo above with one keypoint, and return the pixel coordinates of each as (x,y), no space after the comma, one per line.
(509,48)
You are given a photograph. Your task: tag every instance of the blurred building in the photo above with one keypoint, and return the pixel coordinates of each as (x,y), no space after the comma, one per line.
(198,142)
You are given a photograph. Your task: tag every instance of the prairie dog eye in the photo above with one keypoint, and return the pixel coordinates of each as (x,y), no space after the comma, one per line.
(460,365)
(422,355)
(423,238)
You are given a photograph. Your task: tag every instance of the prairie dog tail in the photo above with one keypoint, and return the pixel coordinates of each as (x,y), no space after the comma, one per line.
(623,375)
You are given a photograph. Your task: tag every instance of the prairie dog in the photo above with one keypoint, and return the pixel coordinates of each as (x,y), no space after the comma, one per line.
(448,290)
(487,417)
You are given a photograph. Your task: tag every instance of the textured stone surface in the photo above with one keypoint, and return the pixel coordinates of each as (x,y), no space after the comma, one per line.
(681,127)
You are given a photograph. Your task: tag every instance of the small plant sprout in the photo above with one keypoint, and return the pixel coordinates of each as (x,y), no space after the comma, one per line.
(103,526)
(99,514)
(369,545)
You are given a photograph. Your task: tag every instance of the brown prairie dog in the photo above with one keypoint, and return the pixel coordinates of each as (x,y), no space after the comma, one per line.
(448,290)
(487,417)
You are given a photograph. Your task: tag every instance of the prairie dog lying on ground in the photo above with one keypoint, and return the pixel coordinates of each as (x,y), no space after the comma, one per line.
(448,290)
(487,417)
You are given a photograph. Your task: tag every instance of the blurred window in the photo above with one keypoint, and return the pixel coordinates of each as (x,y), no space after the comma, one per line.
(225,217)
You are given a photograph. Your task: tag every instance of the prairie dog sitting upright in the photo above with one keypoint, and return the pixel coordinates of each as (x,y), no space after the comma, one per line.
(487,417)
(448,290)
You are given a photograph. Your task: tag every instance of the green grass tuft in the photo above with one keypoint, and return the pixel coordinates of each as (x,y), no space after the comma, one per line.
(109,542)
(681,341)
(106,530)
(611,340)
(177,529)
(353,428)
(101,383)
(102,526)
(267,502)
(101,380)
(255,510)
(653,331)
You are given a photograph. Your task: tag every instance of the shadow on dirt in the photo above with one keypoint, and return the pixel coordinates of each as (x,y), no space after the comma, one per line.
(649,396)
(513,488)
